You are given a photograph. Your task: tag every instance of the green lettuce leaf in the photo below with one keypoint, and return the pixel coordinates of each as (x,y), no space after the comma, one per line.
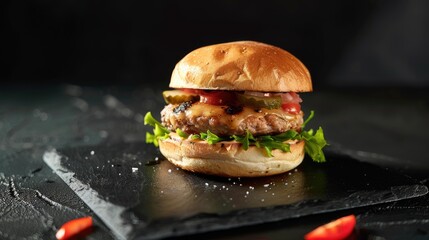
(209,137)
(159,131)
(181,133)
(308,119)
(269,143)
(314,144)
(244,140)
(314,140)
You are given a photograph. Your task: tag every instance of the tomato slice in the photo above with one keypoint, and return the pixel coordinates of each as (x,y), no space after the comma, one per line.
(335,230)
(214,97)
(218,97)
(291,107)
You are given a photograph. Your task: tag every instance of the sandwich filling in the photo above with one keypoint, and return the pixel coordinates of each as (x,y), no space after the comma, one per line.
(265,120)
(231,112)
(226,120)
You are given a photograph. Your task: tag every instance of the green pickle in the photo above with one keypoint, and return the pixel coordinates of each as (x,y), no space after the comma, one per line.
(178,96)
(272,102)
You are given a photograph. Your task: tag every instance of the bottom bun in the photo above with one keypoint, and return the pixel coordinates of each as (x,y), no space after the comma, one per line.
(229,159)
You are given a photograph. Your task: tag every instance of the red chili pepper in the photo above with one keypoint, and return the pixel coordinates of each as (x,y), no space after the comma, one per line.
(74,227)
(335,230)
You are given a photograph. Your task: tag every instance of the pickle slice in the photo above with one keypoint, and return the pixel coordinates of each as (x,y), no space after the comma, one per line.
(271,102)
(179,96)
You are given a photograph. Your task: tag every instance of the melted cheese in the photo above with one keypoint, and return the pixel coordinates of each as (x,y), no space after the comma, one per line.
(234,120)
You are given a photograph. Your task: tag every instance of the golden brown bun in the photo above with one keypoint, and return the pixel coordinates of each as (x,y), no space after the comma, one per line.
(229,159)
(242,66)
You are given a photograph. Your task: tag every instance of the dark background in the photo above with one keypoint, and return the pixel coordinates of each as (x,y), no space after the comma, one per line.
(343,43)
(365,57)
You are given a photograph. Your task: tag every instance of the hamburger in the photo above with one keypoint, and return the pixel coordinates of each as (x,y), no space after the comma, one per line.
(234,110)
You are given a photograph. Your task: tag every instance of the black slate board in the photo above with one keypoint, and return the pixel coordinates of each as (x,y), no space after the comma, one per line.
(138,197)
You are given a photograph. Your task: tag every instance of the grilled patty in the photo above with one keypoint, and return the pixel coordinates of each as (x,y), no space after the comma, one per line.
(224,121)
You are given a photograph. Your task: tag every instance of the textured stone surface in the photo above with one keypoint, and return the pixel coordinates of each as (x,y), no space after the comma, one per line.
(371,126)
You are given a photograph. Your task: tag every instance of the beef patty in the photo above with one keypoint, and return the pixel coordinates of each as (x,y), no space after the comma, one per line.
(224,121)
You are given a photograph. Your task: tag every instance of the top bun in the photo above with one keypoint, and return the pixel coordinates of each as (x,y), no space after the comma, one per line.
(241,66)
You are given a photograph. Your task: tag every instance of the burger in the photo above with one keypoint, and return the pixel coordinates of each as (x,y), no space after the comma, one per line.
(234,110)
